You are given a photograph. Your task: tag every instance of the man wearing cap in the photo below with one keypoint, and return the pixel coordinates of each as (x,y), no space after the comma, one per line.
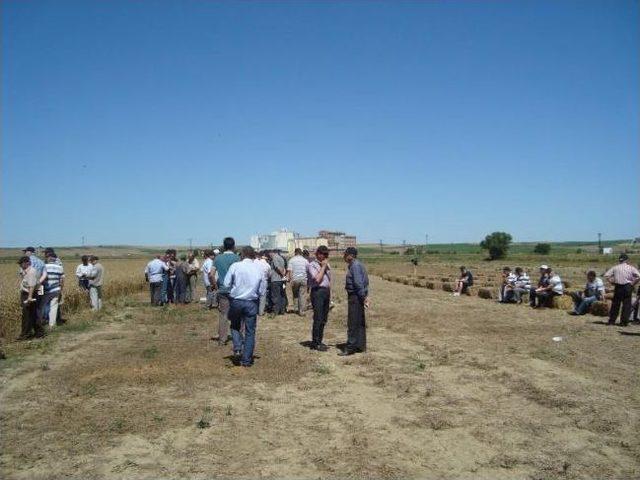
(319,282)
(623,276)
(31,325)
(357,287)
(36,263)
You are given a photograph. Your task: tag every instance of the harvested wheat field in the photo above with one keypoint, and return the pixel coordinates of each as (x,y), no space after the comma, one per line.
(450,388)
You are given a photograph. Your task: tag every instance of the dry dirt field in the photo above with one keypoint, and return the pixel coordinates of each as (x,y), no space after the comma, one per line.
(450,388)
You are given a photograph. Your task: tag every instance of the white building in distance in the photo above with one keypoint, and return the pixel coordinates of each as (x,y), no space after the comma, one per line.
(274,241)
(286,241)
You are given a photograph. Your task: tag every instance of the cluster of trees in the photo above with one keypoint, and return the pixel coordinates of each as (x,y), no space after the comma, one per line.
(496,243)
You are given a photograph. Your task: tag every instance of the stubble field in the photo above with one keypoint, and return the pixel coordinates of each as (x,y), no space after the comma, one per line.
(449,388)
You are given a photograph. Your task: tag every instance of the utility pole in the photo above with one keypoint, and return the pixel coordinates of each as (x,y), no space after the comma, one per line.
(191,244)
(381,249)
(83,240)
(599,242)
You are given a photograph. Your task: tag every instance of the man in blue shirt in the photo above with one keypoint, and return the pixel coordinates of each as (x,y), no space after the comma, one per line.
(245,283)
(357,286)
(35,261)
(221,266)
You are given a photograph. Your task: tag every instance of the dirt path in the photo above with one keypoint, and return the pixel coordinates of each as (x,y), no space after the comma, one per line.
(451,388)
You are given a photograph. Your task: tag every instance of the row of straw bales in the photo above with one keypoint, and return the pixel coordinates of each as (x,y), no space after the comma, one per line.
(487,291)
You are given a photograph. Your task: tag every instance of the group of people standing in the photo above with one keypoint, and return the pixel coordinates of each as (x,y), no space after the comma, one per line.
(245,286)
(41,289)
(172,279)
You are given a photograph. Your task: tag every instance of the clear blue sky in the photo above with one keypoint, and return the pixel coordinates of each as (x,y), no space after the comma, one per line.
(151,122)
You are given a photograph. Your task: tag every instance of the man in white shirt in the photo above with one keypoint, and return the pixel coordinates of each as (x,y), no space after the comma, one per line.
(593,292)
(545,295)
(153,273)
(208,277)
(192,277)
(508,283)
(297,274)
(246,284)
(53,286)
(264,266)
(520,286)
(82,272)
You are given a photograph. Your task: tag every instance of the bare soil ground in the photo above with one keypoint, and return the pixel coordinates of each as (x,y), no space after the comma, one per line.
(450,388)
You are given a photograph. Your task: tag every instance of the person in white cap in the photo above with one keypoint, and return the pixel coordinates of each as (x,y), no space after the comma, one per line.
(543,282)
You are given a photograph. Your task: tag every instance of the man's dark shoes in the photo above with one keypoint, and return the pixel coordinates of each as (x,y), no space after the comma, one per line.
(346,353)
(321,347)
(572,313)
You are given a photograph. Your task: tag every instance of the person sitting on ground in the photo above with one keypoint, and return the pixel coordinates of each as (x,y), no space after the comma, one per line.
(543,282)
(544,295)
(464,282)
(521,285)
(593,292)
(508,283)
